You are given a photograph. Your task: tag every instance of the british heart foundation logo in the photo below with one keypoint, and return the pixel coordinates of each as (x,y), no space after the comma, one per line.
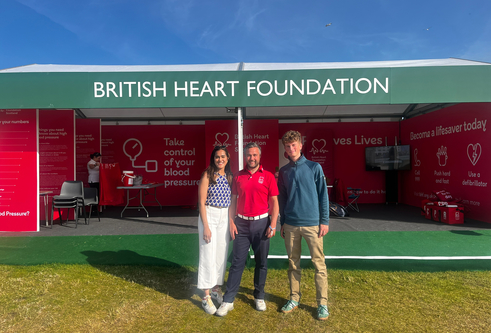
(221,139)
(474,152)
(318,146)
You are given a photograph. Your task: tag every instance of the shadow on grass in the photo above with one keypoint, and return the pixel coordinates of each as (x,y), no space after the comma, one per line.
(246,296)
(467,232)
(125,257)
(163,276)
(161,223)
(167,277)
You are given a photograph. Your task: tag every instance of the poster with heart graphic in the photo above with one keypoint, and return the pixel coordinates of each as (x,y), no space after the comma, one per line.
(263,132)
(317,145)
(450,150)
(474,152)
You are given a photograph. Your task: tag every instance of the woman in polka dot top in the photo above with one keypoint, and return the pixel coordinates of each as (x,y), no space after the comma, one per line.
(213,226)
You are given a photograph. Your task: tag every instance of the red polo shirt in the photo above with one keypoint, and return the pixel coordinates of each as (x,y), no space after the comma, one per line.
(254,191)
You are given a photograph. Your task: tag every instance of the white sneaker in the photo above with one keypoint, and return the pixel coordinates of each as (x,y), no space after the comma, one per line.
(217,295)
(260,304)
(208,305)
(224,309)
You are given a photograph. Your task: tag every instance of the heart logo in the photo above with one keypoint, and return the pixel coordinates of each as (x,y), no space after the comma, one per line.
(474,152)
(221,138)
(318,145)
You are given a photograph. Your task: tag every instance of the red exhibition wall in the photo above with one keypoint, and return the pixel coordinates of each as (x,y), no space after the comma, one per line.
(449,151)
(19,199)
(176,155)
(170,154)
(56,150)
(317,146)
(88,141)
(349,141)
(263,132)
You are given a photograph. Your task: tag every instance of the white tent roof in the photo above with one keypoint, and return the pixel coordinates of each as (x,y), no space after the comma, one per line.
(366,64)
(35,68)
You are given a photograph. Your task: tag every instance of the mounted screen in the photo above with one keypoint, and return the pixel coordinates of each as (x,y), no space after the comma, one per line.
(388,158)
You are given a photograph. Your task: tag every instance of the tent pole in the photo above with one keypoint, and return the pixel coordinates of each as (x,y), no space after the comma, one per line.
(240,134)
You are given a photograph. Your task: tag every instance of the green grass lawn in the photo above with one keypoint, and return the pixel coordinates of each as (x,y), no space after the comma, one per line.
(86,298)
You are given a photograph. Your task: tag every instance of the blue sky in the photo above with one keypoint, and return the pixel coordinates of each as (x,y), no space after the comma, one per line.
(159,32)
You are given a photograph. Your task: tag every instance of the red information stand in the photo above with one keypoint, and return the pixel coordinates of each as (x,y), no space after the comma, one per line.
(56,150)
(19,202)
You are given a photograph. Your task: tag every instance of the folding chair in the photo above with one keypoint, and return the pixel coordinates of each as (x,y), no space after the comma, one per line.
(353,198)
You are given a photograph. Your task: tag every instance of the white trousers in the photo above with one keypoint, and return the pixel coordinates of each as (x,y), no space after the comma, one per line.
(213,255)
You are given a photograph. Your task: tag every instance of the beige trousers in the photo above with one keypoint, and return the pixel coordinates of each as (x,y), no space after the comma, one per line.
(293,244)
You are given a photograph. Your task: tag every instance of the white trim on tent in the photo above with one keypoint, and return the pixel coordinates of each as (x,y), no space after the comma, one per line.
(52,68)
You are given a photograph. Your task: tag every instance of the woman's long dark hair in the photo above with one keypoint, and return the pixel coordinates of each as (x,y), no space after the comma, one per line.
(212,168)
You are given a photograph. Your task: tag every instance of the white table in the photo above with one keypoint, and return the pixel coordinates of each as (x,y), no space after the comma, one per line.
(141,189)
(45,195)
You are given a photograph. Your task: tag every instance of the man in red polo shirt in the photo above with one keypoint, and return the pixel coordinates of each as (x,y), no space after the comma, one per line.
(254,199)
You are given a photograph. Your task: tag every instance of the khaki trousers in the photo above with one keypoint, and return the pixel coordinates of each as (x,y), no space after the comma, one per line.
(293,244)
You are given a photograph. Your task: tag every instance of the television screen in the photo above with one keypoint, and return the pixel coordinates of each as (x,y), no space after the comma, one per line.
(388,158)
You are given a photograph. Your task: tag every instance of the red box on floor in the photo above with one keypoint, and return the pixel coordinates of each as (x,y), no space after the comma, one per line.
(429,210)
(435,213)
(423,206)
(452,214)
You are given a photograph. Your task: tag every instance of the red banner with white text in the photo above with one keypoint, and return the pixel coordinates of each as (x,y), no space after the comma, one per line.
(317,143)
(263,132)
(450,151)
(56,150)
(343,155)
(169,154)
(88,141)
(19,199)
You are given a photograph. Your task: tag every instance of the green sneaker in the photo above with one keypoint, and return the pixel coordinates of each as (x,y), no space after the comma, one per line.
(289,306)
(322,312)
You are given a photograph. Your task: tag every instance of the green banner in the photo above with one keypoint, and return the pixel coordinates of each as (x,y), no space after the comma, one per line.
(445,84)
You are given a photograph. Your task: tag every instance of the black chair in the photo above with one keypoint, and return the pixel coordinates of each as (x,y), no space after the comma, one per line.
(71,196)
(91,198)
(353,198)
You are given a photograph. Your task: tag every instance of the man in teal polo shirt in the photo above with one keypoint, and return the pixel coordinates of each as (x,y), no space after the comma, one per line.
(254,198)
(304,212)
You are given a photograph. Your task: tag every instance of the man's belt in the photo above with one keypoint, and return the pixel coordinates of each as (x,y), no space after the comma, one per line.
(253,218)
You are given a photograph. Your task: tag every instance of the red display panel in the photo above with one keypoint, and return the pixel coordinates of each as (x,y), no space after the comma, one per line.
(170,154)
(19,209)
(263,132)
(88,141)
(450,151)
(317,143)
(176,155)
(56,149)
(349,141)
